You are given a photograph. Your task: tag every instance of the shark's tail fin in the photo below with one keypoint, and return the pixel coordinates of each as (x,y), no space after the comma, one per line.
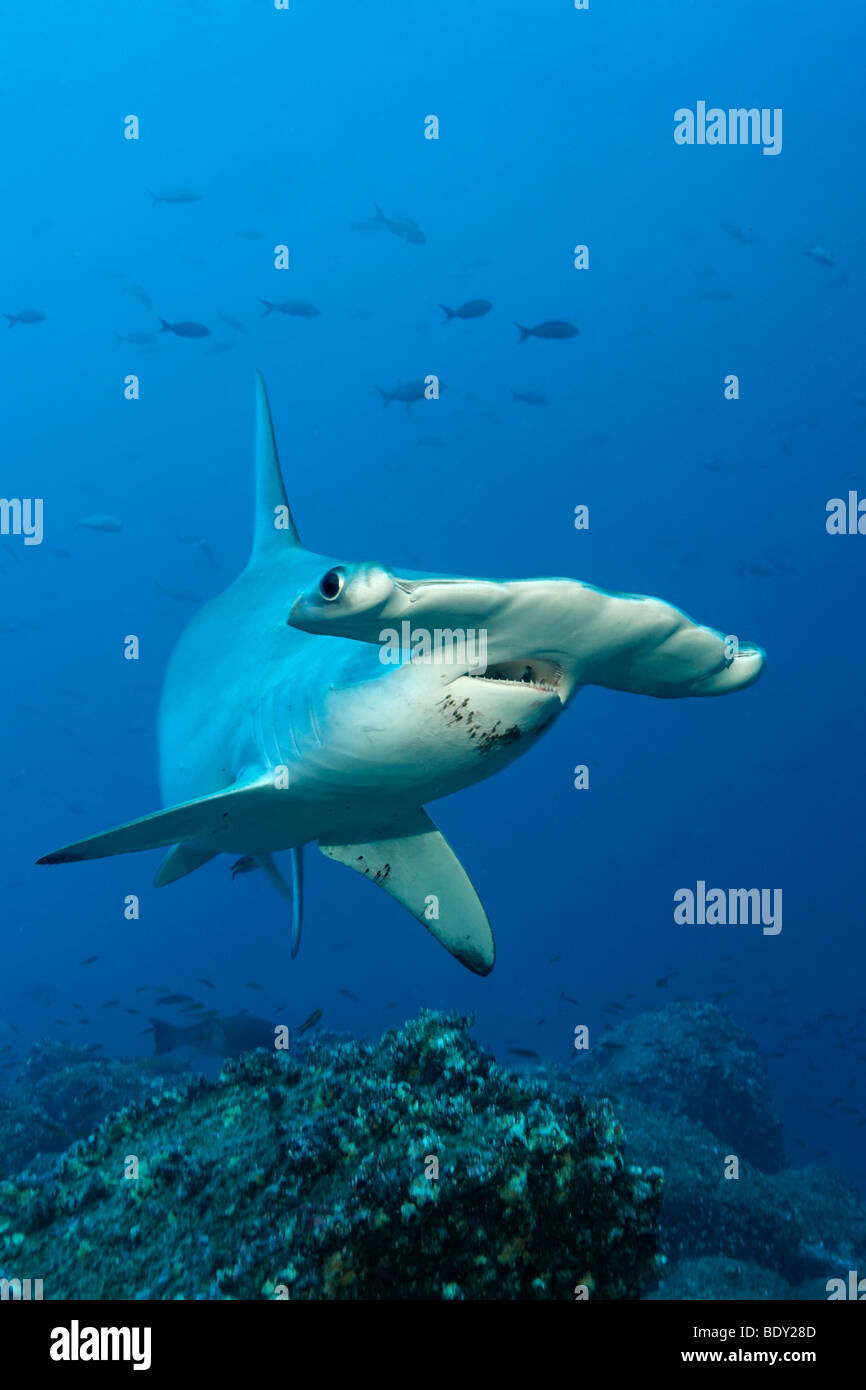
(154,199)
(449,313)
(387,398)
(166,326)
(380,216)
(166,1036)
(524,333)
(13,319)
(268,307)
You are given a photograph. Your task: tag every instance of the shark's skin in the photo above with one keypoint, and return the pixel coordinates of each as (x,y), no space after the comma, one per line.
(281,725)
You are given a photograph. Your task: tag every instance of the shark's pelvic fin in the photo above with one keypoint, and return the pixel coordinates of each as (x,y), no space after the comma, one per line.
(298,907)
(275,526)
(182,860)
(191,820)
(413,862)
(294,895)
(273,875)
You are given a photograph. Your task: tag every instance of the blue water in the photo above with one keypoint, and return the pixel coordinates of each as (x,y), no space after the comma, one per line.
(556,128)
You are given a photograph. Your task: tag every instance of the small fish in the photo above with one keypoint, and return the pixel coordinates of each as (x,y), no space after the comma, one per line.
(100,521)
(25,316)
(185,330)
(253,984)
(204,550)
(132,1011)
(176,195)
(251,235)
(568,998)
(815,253)
(296,308)
(203,981)
(174,999)
(91,960)
(530,397)
(472,309)
(111,1004)
(244,866)
(309,1022)
(216,348)
(235,324)
(430,441)
(391,1005)
(407,392)
(737,233)
(137,339)
(140,293)
(523,1052)
(347,994)
(551,328)
(402,227)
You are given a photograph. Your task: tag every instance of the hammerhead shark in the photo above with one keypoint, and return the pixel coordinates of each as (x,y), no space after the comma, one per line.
(319,699)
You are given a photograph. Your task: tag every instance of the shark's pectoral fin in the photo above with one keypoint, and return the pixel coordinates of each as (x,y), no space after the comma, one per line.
(413,862)
(183,860)
(201,820)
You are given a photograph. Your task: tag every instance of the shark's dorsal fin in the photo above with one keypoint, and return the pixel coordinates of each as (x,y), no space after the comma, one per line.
(275,526)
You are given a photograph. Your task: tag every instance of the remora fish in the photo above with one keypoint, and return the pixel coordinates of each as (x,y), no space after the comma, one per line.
(281,724)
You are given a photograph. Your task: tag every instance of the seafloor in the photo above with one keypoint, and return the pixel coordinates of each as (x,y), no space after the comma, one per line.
(416,1167)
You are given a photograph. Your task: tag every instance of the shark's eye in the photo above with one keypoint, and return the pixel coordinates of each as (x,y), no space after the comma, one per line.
(331,584)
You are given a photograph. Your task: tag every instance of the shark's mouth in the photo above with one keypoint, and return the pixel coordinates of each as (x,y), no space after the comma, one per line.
(536,673)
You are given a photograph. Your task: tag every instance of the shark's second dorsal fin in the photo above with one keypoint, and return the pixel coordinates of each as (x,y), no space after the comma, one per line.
(275,526)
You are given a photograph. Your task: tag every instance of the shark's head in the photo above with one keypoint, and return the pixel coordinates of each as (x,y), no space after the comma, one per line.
(463,661)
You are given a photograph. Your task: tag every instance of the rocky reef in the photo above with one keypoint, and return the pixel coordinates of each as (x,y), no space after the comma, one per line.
(690,1092)
(414,1167)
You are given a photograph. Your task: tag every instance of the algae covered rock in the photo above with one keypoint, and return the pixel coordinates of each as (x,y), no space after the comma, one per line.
(691,1059)
(414,1167)
(60,1093)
